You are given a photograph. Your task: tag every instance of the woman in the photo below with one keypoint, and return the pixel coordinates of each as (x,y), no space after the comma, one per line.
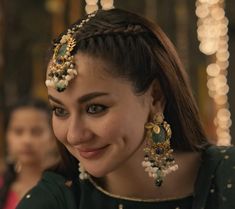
(29,139)
(127,123)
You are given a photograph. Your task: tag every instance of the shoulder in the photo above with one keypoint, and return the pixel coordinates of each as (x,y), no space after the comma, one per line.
(50,193)
(225,169)
(219,159)
(224,155)
(215,185)
(223,176)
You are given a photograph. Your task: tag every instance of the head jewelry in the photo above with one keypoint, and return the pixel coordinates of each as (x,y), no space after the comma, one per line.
(62,69)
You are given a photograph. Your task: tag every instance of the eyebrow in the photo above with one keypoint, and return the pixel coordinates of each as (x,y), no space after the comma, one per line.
(54,99)
(83,99)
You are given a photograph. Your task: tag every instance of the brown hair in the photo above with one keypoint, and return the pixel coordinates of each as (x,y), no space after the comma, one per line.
(139,51)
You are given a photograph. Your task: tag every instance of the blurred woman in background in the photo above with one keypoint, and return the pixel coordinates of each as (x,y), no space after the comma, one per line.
(30,148)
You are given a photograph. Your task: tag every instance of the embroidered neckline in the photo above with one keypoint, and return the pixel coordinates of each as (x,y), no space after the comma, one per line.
(133,198)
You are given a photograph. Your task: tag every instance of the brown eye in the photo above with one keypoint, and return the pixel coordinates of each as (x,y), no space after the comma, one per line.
(60,112)
(17,131)
(37,131)
(95,109)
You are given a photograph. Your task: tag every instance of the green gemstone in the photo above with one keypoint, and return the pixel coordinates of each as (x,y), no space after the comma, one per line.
(60,87)
(62,50)
(160,137)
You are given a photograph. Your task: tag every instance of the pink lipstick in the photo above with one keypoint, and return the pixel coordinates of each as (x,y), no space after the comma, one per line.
(91,153)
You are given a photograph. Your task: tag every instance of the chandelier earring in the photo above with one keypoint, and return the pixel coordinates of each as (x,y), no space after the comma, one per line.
(158,160)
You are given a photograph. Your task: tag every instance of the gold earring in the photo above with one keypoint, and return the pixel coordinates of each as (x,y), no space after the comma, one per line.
(158,160)
(18,167)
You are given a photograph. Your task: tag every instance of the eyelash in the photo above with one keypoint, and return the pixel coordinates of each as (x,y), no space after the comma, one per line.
(55,109)
(88,109)
(103,108)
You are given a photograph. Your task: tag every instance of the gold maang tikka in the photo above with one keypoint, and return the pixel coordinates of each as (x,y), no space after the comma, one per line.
(158,160)
(62,68)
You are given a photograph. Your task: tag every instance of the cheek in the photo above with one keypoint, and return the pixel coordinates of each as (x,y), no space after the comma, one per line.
(119,127)
(44,136)
(43,140)
(60,130)
(12,142)
(108,127)
(129,129)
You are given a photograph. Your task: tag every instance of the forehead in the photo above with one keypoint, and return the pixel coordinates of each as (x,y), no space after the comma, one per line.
(93,72)
(28,116)
(95,66)
(86,63)
(93,75)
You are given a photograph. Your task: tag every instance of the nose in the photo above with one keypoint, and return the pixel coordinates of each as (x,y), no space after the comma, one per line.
(27,138)
(78,131)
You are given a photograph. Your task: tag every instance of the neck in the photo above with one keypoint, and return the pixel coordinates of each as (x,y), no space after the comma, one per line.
(123,181)
(30,173)
(132,181)
(27,177)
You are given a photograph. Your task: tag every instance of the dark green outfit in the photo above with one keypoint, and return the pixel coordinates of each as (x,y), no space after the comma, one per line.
(214,189)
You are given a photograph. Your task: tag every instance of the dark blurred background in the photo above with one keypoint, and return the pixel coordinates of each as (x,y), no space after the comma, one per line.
(27,28)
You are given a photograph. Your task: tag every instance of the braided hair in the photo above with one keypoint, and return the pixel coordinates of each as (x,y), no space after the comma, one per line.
(10,174)
(139,51)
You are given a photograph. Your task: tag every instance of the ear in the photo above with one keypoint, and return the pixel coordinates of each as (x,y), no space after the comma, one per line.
(157,98)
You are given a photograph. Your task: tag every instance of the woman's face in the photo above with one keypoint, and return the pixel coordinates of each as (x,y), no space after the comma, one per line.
(99,118)
(27,135)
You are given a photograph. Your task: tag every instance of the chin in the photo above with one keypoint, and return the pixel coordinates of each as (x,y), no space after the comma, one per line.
(28,160)
(98,173)
(98,170)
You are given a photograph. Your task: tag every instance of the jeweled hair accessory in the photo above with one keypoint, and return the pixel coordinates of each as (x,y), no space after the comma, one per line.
(62,69)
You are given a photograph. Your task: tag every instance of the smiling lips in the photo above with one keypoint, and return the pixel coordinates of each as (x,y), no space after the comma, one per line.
(91,153)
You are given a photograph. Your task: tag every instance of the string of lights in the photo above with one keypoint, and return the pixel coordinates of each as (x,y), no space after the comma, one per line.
(212,34)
